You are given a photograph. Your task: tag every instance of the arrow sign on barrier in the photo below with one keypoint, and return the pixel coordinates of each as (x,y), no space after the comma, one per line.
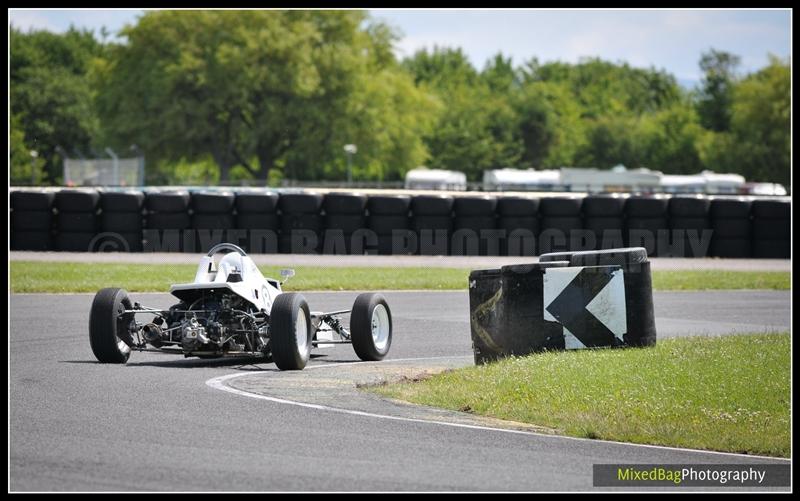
(589,302)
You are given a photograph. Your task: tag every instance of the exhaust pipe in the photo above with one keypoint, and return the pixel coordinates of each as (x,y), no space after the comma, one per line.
(152,334)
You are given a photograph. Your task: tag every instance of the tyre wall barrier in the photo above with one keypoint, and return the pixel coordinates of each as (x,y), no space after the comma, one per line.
(568,300)
(264,221)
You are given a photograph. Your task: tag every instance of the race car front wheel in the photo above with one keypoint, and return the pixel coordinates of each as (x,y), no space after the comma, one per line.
(371,327)
(108,326)
(290,331)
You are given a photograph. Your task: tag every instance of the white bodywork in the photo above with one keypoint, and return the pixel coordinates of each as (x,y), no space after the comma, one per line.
(235,272)
(239,274)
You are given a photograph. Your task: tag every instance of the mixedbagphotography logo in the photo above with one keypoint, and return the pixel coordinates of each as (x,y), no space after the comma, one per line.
(691,475)
(365,241)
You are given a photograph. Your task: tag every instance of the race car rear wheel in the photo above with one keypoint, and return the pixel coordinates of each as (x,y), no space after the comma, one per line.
(290,331)
(108,325)
(371,327)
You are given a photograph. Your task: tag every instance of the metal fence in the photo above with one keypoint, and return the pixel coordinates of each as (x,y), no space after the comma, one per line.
(104,172)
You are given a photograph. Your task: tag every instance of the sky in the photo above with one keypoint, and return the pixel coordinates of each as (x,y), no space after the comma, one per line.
(672,40)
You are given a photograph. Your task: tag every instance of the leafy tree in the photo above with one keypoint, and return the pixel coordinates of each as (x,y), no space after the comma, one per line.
(715,95)
(25,167)
(758,145)
(603,88)
(550,125)
(670,140)
(477,128)
(50,96)
(252,89)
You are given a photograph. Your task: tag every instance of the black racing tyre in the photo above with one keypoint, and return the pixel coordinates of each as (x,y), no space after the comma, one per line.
(77,200)
(772,249)
(77,222)
(728,208)
(517,207)
(348,223)
(31,240)
(371,327)
(167,201)
(681,246)
(598,224)
(603,206)
(74,242)
(563,223)
(117,242)
(689,207)
(384,224)
(772,229)
(291,222)
(647,223)
(646,207)
(121,201)
(256,202)
(475,223)
(290,331)
(39,220)
(689,223)
(212,221)
(299,242)
(512,223)
(32,200)
(431,223)
(731,228)
(345,203)
(212,202)
(253,221)
(771,209)
(471,206)
(388,205)
(432,205)
(560,206)
(731,247)
(168,221)
(300,203)
(108,326)
(121,222)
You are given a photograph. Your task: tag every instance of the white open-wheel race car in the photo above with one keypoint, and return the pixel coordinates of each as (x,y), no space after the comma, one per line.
(232,310)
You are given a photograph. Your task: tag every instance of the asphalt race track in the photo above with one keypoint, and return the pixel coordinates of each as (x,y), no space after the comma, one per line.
(155,424)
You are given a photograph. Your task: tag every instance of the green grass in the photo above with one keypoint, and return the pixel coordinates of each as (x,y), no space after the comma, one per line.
(42,276)
(729,393)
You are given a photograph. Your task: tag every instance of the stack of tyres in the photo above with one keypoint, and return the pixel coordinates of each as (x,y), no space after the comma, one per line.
(561,223)
(690,226)
(518,218)
(32,220)
(432,222)
(121,221)
(212,218)
(730,222)
(646,223)
(257,221)
(604,220)
(771,229)
(388,221)
(301,223)
(167,222)
(76,220)
(474,227)
(344,223)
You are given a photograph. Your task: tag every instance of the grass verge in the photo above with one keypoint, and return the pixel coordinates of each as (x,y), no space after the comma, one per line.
(729,393)
(38,276)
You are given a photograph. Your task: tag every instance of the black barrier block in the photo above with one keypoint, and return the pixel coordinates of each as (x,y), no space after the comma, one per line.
(567,300)
(623,257)
(505,316)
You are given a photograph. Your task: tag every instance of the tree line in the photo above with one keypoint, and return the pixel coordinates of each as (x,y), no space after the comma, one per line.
(221,96)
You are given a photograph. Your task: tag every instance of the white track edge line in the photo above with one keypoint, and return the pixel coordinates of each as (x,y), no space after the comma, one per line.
(218,383)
